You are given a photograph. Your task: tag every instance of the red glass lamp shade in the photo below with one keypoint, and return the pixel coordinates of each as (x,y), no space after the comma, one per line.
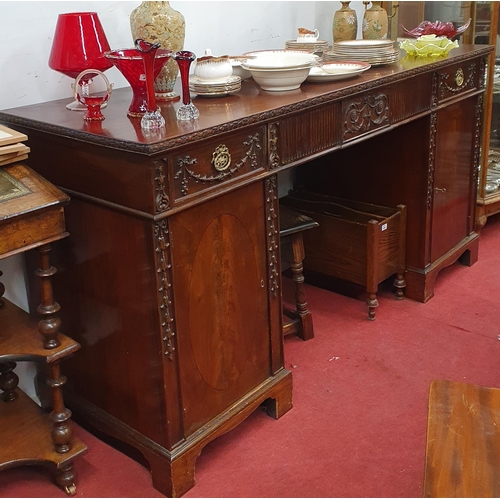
(79,44)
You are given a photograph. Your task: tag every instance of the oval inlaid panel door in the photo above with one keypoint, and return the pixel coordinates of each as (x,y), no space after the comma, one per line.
(221,305)
(219,289)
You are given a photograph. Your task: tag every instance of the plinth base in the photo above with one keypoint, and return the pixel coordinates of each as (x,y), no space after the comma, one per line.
(420,283)
(173,470)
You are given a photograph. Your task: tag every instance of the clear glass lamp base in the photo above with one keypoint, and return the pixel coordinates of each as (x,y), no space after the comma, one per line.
(187,112)
(152,120)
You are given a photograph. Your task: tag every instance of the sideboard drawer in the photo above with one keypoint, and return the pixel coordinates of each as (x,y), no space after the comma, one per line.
(206,166)
(366,113)
(301,135)
(457,79)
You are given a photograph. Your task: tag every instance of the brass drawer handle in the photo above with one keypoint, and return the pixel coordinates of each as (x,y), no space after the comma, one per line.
(459,77)
(440,190)
(221,158)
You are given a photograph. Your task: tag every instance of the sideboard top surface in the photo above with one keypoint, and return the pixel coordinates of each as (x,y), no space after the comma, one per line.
(217,115)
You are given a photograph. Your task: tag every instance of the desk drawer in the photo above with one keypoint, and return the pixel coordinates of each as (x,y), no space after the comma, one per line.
(305,134)
(457,79)
(366,113)
(214,162)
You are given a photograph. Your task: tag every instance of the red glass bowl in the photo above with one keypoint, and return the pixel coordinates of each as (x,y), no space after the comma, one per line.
(438,28)
(79,44)
(130,64)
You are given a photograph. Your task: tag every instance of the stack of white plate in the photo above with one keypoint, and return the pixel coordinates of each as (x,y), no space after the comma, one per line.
(317,47)
(213,88)
(374,52)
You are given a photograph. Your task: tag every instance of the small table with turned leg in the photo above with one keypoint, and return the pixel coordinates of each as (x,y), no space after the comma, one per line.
(32,216)
(292,225)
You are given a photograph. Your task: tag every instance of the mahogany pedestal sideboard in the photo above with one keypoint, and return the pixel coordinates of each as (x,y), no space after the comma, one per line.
(32,216)
(174,261)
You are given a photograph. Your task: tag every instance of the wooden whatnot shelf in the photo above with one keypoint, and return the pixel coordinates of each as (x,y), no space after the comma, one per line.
(32,216)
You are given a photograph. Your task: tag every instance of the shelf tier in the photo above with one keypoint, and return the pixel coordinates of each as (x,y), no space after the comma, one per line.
(21,341)
(31,426)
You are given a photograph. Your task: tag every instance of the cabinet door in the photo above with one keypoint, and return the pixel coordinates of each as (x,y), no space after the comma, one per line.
(453,168)
(219,267)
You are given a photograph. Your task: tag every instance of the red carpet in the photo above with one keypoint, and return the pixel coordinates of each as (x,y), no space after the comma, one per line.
(359,420)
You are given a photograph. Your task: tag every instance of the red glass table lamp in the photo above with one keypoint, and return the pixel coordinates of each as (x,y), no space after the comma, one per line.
(79,44)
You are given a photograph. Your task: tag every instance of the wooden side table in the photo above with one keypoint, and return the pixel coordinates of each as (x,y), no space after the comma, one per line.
(32,216)
(292,225)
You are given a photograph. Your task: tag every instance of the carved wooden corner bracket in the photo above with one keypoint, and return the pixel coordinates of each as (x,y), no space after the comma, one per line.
(434,94)
(361,115)
(274,159)
(483,64)
(432,155)
(162,200)
(477,139)
(272,231)
(163,270)
(185,173)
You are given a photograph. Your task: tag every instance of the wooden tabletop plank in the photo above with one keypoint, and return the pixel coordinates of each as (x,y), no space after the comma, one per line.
(463,441)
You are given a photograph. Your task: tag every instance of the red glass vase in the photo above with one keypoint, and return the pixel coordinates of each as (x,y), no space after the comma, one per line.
(187,111)
(130,63)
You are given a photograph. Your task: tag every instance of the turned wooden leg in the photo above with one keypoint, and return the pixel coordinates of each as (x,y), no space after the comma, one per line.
(8,381)
(400,285)
(50,324)
(372,303)
(306,332)
(65,479)
(61,430)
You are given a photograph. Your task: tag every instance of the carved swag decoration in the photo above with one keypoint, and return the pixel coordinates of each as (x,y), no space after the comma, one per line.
(185,173)
(459,81)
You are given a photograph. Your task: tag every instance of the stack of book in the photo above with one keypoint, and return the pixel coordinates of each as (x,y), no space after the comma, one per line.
(12,148)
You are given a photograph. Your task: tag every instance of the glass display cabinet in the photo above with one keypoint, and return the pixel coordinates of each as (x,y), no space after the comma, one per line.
(484,29)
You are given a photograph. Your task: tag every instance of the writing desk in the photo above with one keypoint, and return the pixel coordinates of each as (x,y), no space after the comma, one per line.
(170,279)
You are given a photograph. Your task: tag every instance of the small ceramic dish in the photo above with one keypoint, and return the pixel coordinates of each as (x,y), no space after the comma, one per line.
(344,67)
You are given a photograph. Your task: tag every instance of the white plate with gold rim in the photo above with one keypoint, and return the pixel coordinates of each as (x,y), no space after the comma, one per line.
(337,71)
(363,43)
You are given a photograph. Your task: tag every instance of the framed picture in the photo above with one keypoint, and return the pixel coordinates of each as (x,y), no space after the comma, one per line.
(9,136)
